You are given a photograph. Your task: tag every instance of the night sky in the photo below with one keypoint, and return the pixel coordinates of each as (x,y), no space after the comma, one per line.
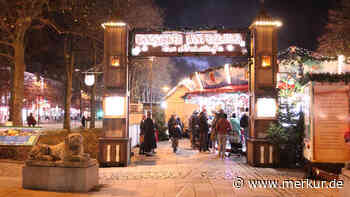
(303,21)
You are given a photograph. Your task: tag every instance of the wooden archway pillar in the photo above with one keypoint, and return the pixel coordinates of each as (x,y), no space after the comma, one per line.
(114,144)
(262,86)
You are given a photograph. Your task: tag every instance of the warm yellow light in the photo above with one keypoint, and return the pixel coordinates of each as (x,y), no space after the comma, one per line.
(165,88)
(341,60)
(266,108)
(115,62)
(163,104)
(113,24)
(266,61)
(114,106)
(269,23)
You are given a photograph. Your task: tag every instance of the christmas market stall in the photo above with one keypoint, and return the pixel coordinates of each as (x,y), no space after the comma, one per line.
(217,88)
(320,99)
(222,87)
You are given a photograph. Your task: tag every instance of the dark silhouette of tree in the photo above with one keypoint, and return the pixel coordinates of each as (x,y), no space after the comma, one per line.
(336,39)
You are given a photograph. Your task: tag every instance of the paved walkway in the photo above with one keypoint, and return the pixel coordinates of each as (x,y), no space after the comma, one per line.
(185,174)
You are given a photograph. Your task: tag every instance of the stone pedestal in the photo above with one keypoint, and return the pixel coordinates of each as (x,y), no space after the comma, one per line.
(345,176)
(61,178)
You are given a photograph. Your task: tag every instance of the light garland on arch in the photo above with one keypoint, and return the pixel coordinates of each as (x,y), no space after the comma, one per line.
(182,42)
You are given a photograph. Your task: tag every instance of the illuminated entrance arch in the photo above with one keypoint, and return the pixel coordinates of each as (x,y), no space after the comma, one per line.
(258,44)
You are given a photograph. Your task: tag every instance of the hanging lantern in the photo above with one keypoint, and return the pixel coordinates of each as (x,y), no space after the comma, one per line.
(89,79)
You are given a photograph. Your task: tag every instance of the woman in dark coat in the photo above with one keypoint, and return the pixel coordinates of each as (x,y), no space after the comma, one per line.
(203,131)
(149,134)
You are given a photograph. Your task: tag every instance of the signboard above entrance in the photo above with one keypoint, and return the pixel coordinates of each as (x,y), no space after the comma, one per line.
(191,43)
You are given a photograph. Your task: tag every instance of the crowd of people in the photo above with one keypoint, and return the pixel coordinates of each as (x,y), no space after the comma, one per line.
(206,133)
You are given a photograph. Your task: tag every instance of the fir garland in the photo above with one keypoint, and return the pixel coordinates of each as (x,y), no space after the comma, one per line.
(301,55)
(325,78)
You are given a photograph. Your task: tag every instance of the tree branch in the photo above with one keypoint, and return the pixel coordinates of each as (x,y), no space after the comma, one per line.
(6,43)
(6,55)
(59,31)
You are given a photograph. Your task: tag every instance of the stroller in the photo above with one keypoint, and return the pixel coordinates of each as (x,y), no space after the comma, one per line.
(195,142)
(235,143)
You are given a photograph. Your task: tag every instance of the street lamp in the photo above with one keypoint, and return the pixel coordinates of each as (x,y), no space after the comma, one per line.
(89,79)
(165,89)
(151,82)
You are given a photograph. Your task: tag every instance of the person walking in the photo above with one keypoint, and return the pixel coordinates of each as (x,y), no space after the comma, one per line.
(154,147)
(213,134)
(149,134)
(223,127)
(236,138)
(244,123)
(194,126)
(179,122)
(142,135)
(83,121)
(236,126)
(203,130)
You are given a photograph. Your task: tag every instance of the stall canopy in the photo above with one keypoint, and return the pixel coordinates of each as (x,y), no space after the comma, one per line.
(222,87)
(223,79)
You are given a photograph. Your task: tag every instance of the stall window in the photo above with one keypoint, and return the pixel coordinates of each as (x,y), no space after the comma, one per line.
(266,61)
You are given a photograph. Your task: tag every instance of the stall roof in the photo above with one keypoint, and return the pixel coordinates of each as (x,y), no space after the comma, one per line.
(226,89)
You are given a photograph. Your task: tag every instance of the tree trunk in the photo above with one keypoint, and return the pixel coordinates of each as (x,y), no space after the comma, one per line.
(80,102)
(69,78)
(93,105)
(17,85)
(93,91)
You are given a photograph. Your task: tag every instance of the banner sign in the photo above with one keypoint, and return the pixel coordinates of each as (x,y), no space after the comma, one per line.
(193,43)
(19,140)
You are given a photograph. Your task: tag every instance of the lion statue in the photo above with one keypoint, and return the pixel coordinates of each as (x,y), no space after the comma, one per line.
(71,150)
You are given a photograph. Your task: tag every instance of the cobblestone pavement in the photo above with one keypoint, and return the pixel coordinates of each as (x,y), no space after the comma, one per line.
(187,173)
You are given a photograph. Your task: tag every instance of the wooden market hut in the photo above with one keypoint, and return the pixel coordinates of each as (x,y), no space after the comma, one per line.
(175,104)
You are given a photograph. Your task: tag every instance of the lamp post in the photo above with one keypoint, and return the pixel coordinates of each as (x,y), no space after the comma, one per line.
(151,80)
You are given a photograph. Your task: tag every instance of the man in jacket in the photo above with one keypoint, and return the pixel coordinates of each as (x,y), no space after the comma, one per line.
(223,127)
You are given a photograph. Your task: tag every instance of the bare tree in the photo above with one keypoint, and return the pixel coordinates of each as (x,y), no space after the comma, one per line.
(140,78)
(75,17)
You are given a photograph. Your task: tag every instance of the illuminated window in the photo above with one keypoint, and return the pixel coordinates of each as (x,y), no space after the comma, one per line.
(266,61)
(114,106)
(115,61)
(266,108)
